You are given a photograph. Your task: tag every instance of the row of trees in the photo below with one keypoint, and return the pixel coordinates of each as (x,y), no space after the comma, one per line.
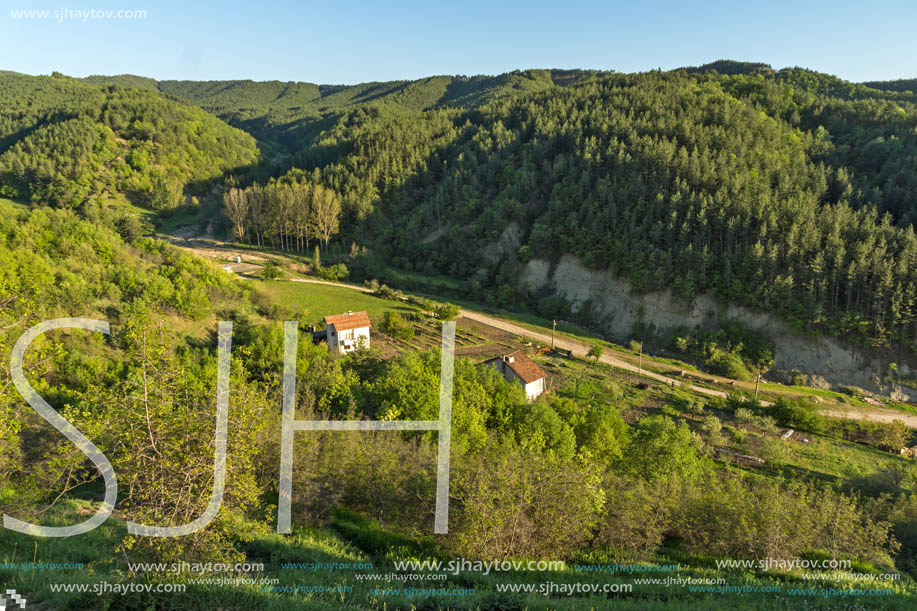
(287,213)
(753,189)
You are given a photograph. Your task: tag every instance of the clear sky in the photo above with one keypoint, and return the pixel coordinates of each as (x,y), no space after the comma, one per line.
(350,41)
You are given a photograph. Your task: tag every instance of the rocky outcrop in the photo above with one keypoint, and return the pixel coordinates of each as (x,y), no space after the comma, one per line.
(616,310)
(509,241)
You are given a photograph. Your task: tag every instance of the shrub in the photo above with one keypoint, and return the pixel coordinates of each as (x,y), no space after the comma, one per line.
(394,325)
(775,451)
(333,273)
(636,517)
(687,403)
(739,436)
(446,311)
(271,271)
(759,517)
(552,306)
(728,364)
(853,391)
(660,448)
(734,349)
(765,423)
(891,436)
(798,415)
(386,292)
(513,501)
(744,415)
(713,428)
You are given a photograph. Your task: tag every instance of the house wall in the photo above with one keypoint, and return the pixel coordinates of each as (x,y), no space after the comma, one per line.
(339,344)
(534,389)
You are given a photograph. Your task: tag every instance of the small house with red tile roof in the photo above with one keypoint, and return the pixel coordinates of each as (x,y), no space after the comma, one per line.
(347,332)
(518,367)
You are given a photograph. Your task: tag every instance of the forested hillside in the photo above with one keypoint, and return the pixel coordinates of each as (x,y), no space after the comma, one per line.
(63,142)
(790,191)
(290,114)
(903,85)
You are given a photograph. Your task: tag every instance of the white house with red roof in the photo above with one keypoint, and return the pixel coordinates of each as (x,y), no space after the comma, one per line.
(347,332)
(518,367)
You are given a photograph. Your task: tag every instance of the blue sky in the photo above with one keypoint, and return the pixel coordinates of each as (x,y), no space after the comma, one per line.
(349,41)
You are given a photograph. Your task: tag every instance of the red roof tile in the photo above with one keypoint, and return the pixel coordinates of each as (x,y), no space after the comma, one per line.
(352,320)
(524,367)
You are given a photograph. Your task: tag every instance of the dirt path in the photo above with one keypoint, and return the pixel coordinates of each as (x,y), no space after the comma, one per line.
(875,415)
(362,289)
(250,261)
(580,349)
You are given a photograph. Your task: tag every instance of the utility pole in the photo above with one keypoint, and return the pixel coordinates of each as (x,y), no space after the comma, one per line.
(640,359)
(757,379)
(553,330)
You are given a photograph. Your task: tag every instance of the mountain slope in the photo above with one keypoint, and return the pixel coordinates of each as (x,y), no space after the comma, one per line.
(789,191)
(65,142)
(766,191)
(290,113)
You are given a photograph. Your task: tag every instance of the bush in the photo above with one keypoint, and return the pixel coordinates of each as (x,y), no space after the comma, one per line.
(446,311)
(739,436)
(734,349)
(333,273)
(713,428)
(734,517)
(636,517)
(775,451)
(891,436)
(853,391)
(271,271)
(552,306)
(386,292)
(744,415)
(727,364)
(661,449)
(798,415)
(765,423)
(394,325)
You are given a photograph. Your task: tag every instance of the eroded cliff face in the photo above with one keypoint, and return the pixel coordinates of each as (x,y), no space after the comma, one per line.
(825,360)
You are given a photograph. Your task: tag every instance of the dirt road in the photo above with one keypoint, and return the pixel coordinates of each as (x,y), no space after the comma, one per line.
(581,348)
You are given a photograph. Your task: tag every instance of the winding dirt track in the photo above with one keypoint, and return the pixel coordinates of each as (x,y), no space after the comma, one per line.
(580,348)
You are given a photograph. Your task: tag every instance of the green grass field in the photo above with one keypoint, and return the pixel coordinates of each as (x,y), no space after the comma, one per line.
(320,300)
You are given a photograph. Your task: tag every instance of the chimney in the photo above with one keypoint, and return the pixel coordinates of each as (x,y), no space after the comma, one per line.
(349,312)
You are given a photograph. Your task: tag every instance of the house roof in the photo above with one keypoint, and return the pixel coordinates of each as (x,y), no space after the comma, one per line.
(350,320)
(524,367)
